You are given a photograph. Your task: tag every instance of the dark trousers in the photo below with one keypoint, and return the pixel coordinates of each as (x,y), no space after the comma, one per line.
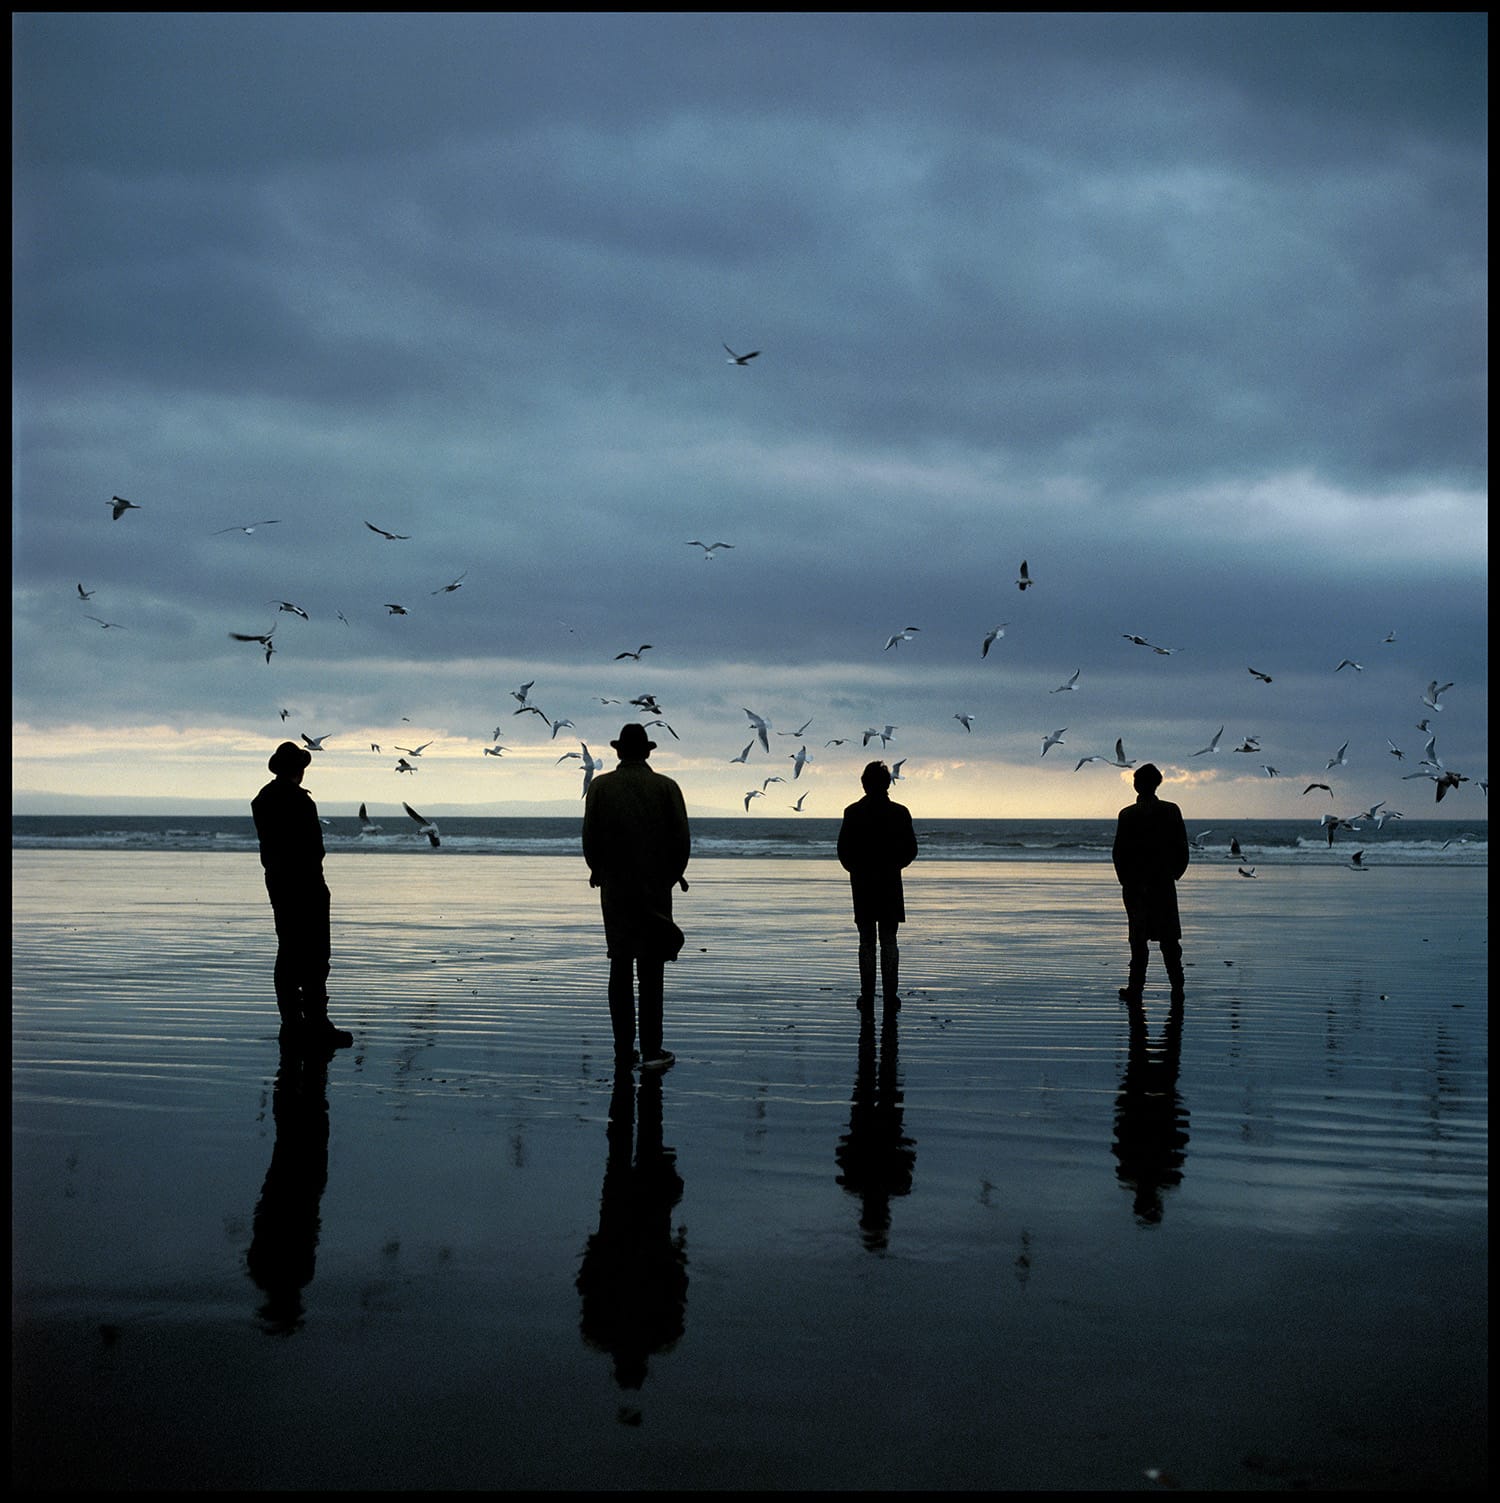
(883,932)
(303,950)
(1140,958)
(624,970)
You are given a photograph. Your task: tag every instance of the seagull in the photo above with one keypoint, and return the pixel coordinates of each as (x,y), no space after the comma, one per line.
(395,610)
(286,605)
(991,635)
(374,746)
(648,703)
(591,765)
(1121,760)
(1331,822)
(315,743)
(753,793)
(1246,871)
(107,624)
(1270,772)
(797,807)
(799,760)
(1072,683)
(1338,759)
(1249,744)
(393,537)
(1265,678)
(884,735)
(402,765)
(493,751)
(1025,581)
(1199,838)
(740,359)
(366,825)
(762,728)
(264,638)
(414,751)
(836,741)
(522,693)
(775,777)
(744,755)
(1434,692)
(636,655)
(84,594)
(1424,725)
(284,713)
(1390,636)
(801,729)
(1442,777)
(1349,663)
(246,530)
(1212,746)
(1386,814)
(532,710)
(966,721)
(1324,786)
(448,589)
(708,548)
(424,826)
(557,725)
(342,617)
(673,734)
(1094,758)
(1055,739)
(1235,853)
(120,506)
(900,637)
(896,770)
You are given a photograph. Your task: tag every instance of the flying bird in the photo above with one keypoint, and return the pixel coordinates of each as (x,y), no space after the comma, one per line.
(635,656)
(106,625)
(286,605)
(775,777)
(762,728)
(493,751)
(84,594)
(1390,636)
(395,610)
(901,636)
(740,359)
(1235,853)
(753,793)
(264,638)
(1249,744)
(284,713)
(744,755)
(801,729)
(1265,678)
(1338,759)
(448,589)
(367,826)
(591,765)
(1121,760)
(966,721)
(424,826)
(1324,786)
(402,765)
(884,735)
(1246,871)
(522,694)
(1071,684)
(119,506)
(247,530)
(1434,692)
(708,548)
(1024,582)
(990,636)
(315,743)
(1055,739)
(1357,861)
(342,617)
(1212,746)
(673,734)
(393,537)
(1349,663)
(799,760)
(557,725)
(896,770)
(1270,772)
(797,807)
(414,751)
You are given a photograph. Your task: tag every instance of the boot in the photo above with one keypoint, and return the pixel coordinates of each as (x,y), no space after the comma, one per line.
(890,973)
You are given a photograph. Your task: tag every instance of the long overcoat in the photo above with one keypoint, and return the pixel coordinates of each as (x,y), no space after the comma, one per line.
(636,842)
(876,843)
(1150,854)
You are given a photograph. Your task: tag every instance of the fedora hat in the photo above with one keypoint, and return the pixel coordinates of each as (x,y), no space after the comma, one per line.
(633,741)
(287,757)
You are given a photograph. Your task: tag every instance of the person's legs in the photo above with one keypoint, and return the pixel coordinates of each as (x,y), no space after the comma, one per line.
(622,1003)
(890,963)
(1171,954)
(866,961)
(651,989)
(1140,956)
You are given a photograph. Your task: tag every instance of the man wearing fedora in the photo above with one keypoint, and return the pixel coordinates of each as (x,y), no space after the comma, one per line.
(291,851)
(636,844)
(1150,854)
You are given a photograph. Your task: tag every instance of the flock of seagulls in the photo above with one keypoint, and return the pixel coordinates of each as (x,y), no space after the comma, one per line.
(1430,768)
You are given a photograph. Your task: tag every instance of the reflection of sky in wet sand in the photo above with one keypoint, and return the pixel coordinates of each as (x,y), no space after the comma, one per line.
(1316,1284)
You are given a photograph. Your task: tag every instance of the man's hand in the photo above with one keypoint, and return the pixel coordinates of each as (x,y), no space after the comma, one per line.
(682,883)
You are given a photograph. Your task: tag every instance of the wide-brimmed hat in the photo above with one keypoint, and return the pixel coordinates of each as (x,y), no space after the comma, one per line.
(633,741)
(288,757)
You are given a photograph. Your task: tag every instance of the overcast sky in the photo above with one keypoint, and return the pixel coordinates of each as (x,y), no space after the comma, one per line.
(1187,312)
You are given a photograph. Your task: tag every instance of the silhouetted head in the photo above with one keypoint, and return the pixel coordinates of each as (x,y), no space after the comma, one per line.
(1147,778)
(634,745)
(876,778)
(289,760)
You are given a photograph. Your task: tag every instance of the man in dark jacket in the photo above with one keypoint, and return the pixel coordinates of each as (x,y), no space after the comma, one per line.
(636,843)
(291,851)
(876,843)
(1150,854)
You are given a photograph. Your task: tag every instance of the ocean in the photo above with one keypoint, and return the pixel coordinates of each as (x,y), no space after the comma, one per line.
(1302,842)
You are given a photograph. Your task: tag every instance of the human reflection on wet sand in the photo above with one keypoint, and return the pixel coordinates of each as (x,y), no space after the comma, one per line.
(1151,1133)
(875,1155)
(633,1279)
(284,1239)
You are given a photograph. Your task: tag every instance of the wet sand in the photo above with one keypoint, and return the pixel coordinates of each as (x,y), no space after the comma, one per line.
(1001,1243)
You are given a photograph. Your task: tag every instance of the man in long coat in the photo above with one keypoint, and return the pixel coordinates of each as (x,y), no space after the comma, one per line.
(876,843)
(291,851)
(636,843)
(1150,854)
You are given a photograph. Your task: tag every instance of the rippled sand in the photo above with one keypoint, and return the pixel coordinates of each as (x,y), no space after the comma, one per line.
(998,1245)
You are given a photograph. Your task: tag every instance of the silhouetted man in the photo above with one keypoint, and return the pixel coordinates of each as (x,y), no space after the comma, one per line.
(636,843)
(1150,854)
(876,843)
(291,851)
